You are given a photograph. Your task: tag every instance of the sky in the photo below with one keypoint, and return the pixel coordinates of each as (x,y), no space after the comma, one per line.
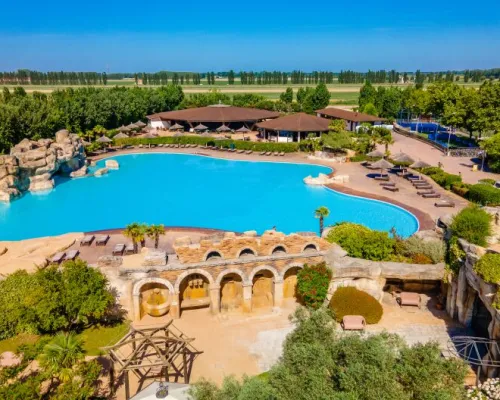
(200,36)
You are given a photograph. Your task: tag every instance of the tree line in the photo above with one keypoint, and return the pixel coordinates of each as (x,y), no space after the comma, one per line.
(27,77)
(40,115)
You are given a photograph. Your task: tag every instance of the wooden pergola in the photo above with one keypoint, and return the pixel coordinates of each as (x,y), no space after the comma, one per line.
(151,352)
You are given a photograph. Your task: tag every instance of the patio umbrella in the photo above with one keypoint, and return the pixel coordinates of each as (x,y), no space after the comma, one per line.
(123,128)
(120,135)
(140,124)
(419,164)
(375,154)
(200,127)
(243,129)
(132,127)
(404,158)
(104,139)
(176,126)
(381,164)
(223,128)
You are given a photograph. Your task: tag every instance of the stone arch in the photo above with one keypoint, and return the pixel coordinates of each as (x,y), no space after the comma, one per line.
(185,274)
(212,252)
(311,246)
(230,271)
(139,284)
(279,248)
(259,268)
(289,267)
(247,251)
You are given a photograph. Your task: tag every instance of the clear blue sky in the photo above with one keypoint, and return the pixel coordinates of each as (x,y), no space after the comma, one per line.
(154,35)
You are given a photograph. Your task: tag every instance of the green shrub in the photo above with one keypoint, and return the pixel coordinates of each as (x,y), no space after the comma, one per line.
(351,301)
(489,181)
(460,188)
(454,255)
(362,242)
(442,178)
(484,194)
(433,250)
(201,140)
(312,284)
(472,224)
(421,259)
(488,267)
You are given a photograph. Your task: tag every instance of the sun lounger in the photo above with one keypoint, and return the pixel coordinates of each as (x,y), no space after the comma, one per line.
(268,153)
(382,178)
(409,299)
(391,188)
(425,192)
(240,151)
(353,323)
(87,240)
(249,152)
(118,249)
(71,255)
(262,153)
(58,258)
(140,146)
(129,249)
(431,196)
(276,153)
(413,178)
(282,153)
(445,203)
(388,184)
(101,240)
(416,183)
(423,187)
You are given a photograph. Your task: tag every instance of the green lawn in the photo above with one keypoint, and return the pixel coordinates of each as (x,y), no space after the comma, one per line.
(93,338)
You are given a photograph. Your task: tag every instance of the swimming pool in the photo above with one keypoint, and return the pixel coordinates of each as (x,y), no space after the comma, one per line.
(193,191)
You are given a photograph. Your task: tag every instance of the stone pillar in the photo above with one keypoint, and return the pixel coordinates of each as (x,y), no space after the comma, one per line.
(247,297)
(175,310)
(136,301)
(215,300)
(278,293)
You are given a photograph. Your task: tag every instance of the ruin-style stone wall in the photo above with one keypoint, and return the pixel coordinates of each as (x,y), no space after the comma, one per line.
(230,246)
(32,164)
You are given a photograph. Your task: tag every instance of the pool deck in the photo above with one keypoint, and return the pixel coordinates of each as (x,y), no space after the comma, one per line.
(359,183)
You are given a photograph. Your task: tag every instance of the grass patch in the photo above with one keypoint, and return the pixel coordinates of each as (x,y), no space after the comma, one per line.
(100,336)
(13,343)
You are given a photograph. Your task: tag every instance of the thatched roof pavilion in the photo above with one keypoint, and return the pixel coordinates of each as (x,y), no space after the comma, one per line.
(215,115)
(295,127)
(352,118)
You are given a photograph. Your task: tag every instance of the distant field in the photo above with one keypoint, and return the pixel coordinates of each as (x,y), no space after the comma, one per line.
(346,94)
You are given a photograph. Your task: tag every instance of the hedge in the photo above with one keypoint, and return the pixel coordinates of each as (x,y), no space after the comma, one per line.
(199,140)
(472,224)
(442,178)
(488,267)
(484,194)
(351,301)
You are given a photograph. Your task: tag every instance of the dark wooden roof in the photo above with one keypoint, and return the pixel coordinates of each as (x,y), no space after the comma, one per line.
(348,115)
(218,113)
(300,122)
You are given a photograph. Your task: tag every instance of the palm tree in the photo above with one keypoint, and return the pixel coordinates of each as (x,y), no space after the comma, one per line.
(142,234)
(321,213)
(154,232)
(61,355)
(134,232)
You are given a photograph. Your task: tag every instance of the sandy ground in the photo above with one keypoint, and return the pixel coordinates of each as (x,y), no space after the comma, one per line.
(28,254)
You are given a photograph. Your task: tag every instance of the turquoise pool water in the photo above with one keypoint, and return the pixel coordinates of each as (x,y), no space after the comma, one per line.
(193,191)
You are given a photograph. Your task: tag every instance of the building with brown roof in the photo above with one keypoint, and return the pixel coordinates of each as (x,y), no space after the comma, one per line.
(352,119)
(293,128)
(212,116)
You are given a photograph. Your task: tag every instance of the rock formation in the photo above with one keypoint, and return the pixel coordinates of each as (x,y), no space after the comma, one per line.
(32,164)
(324,179)
(101,172)
(112,164)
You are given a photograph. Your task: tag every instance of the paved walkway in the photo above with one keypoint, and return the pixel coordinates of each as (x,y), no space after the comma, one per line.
(422,151)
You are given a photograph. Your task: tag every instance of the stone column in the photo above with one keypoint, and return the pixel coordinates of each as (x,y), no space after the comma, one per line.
(215,300)
(247,297)
(175,311)
(278,293)
(136,301)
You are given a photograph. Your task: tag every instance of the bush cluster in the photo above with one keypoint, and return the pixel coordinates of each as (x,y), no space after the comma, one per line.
(312,284)
(472,224)
(484,194)
(351,301)
(430,251)
(362,242)
(199,140)
(488,267)
(461,189)
(442,178)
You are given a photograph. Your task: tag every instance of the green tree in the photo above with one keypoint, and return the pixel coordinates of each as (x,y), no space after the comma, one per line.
(367,94)
(135,233)
(287,96)
(370,109)
(321,213)
(154,232)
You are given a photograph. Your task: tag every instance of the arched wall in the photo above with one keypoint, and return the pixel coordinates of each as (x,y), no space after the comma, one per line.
(181,277)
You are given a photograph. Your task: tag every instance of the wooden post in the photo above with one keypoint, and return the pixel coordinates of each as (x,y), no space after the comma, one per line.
(112,378)
(186,376)
(127,386)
